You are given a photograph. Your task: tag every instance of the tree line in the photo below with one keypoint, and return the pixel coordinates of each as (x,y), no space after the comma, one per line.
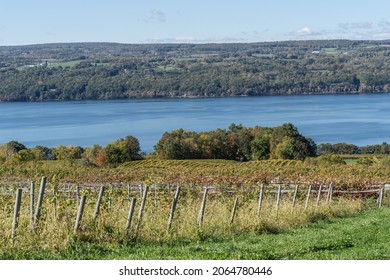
(235,143)
(351,149)
(116,71)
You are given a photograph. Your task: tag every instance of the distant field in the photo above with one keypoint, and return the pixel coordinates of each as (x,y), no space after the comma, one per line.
(54,64)
(50,64)
(64,64)
(334,51)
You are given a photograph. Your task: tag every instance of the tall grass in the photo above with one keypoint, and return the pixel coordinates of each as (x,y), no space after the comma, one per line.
(54,231)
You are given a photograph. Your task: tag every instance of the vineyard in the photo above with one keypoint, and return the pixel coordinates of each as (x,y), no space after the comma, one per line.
(49,206)
(221,173)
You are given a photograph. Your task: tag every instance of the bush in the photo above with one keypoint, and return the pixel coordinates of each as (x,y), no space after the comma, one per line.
(325,160)
(122,150)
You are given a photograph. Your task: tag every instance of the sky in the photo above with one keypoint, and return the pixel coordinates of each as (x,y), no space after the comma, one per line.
(198,21)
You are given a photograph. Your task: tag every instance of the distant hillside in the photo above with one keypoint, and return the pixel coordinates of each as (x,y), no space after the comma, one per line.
(76,71)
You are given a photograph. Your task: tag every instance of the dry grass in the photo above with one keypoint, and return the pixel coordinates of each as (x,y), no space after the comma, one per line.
(55,232)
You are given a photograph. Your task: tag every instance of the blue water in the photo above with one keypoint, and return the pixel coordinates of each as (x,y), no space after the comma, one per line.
(357,119)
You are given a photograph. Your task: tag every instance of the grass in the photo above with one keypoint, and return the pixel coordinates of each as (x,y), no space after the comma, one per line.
(51,64)
(360,237)
(105,237)
(317,233)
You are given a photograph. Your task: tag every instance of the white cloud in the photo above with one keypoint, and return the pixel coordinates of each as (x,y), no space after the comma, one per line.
(156,15)
(306,32)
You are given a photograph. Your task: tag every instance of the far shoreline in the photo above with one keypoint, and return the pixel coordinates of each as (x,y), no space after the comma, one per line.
(154,98)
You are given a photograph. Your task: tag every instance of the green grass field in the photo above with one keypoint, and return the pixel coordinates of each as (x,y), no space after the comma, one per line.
(363,236)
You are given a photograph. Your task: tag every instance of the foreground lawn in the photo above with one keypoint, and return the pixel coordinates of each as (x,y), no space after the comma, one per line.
(363,236)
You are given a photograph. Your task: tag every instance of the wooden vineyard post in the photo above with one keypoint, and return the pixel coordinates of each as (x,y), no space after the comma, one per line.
(234,210)
(173,207)
(330,194)
(308,197)
(294,197)
(130,216)
(278,200)
(55,201)
(18,201)
(32,198)
(380,198)
(319,196)
(110,192)
(202,207)
(141,209)
(261,195)
(98,202)
(78,190)
(80,213)
(37,213)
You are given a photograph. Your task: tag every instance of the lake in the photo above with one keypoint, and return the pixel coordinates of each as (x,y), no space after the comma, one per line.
(357,119)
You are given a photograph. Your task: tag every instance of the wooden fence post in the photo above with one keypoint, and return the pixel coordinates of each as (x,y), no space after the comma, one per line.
(18,201)
(98,202)
(141,209)
(330,194)
(173,207)
(78,190)
(55,201)
(278,199)
(319,196)
(40,200)
(203,207)
(130,216)
(129,192)
(80,213)
(294,197)
(32,199)
(261,195)
(234,210)
(381,195)
(308,197)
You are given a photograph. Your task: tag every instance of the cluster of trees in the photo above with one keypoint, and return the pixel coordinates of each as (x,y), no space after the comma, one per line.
(114,71)
(122,150)
(351,149)
(236,143)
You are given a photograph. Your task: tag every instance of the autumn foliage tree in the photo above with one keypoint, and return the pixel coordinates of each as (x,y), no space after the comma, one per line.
(237,143)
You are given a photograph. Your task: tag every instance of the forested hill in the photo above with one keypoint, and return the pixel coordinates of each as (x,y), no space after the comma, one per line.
(76,71)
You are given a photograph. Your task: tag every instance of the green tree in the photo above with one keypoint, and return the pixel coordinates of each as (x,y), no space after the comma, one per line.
(26,155)
(287,143)
(11,148)
(285,149)
(122,150)
(70,153)
(260,147)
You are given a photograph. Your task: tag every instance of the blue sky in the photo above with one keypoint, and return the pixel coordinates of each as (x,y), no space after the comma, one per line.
(179,21)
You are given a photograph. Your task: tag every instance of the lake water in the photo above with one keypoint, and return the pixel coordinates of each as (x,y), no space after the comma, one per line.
(357,119)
